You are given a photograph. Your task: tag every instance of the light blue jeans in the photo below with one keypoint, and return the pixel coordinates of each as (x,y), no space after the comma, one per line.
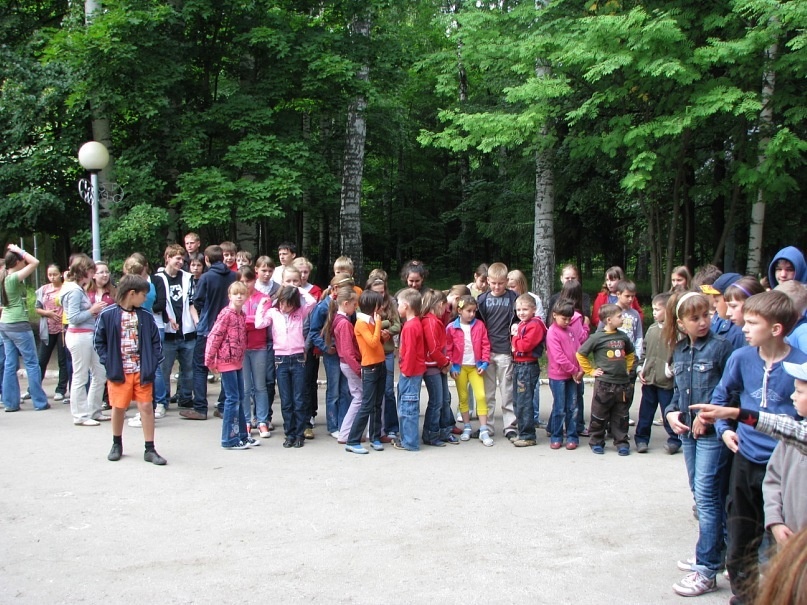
(233,425)
(409,410)
(707,460)
(18,344)
(255,386)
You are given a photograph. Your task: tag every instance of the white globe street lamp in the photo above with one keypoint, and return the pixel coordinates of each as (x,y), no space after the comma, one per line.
(94,157)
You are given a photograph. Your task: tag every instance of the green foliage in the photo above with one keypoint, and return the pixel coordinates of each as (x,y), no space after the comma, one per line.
(139,229)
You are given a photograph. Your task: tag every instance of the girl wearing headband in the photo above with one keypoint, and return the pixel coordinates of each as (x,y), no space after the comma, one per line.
(698,361)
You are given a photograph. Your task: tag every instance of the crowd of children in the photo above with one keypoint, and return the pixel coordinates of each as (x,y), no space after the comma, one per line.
(719,361)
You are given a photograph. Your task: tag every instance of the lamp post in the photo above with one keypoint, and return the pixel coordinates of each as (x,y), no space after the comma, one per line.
(94,157)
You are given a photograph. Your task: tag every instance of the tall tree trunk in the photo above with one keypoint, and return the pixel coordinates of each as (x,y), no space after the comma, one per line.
(305,227)
(353,167)
(653,245)
(543,256)
(766,127)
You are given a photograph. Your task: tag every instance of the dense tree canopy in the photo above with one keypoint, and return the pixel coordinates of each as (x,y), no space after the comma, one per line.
(659,124)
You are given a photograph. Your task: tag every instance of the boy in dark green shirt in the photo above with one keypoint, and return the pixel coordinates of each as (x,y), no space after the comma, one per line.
(613,357)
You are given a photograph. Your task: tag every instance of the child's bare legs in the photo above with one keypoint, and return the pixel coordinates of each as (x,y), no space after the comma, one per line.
(147,419)
(118,416)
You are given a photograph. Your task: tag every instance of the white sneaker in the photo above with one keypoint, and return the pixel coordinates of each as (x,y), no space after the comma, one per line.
(459,416)
(135,422)
(694,584)
(631,422)
(58,397)
(313,424)
(88,422)
(485,438)
(686,565)
(25,395)
(159,411)
(335,434)
(264,431)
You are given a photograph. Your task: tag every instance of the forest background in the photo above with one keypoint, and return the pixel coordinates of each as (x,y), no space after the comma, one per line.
(598,132)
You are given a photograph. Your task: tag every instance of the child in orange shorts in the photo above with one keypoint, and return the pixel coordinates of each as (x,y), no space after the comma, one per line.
(128,343)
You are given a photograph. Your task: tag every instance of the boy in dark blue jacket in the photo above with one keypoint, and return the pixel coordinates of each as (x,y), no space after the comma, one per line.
(209,298)
(757,373)
(128,343)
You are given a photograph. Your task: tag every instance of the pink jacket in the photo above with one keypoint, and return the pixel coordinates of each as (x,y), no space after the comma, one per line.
(287,329)
(455,343)
(579,328)
(561,349)
(227,341)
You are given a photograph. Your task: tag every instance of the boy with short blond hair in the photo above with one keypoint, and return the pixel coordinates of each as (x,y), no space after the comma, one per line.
(412,355)
(243,258)
(757,373)
(497,310)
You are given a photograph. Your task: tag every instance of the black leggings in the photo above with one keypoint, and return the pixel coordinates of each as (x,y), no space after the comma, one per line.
(55,341)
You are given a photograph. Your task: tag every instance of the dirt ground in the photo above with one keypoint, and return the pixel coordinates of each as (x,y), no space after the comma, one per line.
(459,524)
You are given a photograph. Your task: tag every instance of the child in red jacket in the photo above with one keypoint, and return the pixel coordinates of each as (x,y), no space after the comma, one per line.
(224,353)
(438,421)
(468,349)
(527,336)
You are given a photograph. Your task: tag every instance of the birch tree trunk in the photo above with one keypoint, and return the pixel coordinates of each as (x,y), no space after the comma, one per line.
(543,256)
(350,240)
(766,126)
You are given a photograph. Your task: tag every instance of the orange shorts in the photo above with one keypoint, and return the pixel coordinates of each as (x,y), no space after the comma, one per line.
(121,394)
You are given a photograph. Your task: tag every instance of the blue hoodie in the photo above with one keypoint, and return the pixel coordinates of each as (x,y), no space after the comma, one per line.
(210,296)
(794,255)
(744,374)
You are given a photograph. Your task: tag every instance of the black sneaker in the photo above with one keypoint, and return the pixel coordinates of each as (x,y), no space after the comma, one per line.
(153,457)
(289,442)
(115,453)
(299,442)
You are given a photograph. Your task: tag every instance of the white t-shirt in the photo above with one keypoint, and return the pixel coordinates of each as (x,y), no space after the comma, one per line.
(468,358)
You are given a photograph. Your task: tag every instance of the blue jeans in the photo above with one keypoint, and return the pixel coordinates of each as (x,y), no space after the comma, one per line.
(255,386)
(271,376)
(18,344)
(200,375)
(652,398)
(372,384)
(233,425)
(525,381)
(182,350)
(409,410)
(434,408)
(290,373)
(310,395)
(707,460)
(390,403)
(337,395)
(447,419)
(564,410)
(160,390)
(581,409)
(536,404)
